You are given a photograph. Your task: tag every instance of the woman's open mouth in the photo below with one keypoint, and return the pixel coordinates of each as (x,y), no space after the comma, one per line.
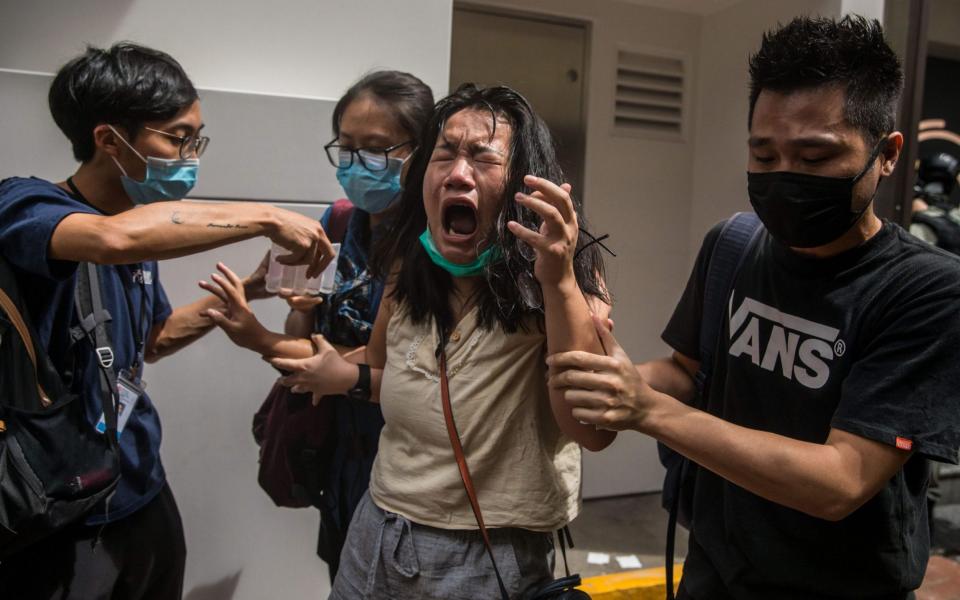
(459,221)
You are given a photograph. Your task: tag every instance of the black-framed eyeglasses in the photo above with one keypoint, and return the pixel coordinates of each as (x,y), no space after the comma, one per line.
(192,144)
(372,159)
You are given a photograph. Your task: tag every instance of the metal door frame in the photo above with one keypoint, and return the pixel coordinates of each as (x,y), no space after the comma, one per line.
(894,202)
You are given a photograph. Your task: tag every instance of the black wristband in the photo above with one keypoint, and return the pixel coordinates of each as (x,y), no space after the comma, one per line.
(361,390)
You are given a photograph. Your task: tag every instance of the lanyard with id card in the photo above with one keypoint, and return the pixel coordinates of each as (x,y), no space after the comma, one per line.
(129,387)
(128,393)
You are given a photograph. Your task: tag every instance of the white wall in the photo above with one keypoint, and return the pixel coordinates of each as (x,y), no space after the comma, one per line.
(871,9)
(239,545)
(299,47)
(720,157)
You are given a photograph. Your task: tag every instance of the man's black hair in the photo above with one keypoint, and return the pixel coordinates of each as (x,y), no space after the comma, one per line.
(424,287)
(126,85)
(409,98)
(810,52)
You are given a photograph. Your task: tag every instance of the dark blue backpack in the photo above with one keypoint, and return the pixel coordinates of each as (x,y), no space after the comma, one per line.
(732,246)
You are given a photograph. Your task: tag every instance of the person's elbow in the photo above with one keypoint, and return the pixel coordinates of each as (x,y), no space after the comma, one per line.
(598,441)
(101,245)
(157,345)
(152,353)
(840,503)
(112,247)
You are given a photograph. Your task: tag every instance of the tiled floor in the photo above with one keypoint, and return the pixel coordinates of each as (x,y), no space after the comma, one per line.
(636,525)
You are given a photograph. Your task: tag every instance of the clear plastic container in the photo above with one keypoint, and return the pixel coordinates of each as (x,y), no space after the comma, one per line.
(293,279)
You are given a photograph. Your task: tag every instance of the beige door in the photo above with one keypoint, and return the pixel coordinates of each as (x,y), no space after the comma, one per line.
(543,60)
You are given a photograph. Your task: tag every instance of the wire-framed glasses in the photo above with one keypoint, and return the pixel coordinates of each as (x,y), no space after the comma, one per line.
(372,159)
(192,144)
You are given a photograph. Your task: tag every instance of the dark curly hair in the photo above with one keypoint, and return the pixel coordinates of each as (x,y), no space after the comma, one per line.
(852,53)
(126,85)
(511,292)
(409,98)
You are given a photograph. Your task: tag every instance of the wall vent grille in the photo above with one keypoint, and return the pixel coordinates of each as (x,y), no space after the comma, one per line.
(650,95)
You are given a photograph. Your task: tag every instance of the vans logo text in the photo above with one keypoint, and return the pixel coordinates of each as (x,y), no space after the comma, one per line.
(801,347)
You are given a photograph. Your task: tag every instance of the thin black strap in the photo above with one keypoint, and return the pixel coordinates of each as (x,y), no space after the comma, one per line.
(736,237)
(137,325)
(461,458)
(76,192)
(563,534)
(672,537)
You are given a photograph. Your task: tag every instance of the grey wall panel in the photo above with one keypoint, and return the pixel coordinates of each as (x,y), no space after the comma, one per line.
(30,143)
(267,148)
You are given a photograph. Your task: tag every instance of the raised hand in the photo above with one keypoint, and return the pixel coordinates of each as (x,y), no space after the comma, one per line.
(322,374)
(236,319)
(602,390)
(304,238)
(556,240)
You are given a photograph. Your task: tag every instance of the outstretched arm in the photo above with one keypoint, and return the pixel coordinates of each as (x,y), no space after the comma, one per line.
(568,322)
(190,322)
(828,480)
(172,229)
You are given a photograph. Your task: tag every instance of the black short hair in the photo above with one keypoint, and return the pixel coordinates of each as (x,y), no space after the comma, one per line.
(409,98)
(425,287)
(851,53)
(126,85)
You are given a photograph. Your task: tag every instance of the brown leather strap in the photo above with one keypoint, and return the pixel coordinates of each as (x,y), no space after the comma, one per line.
(462,460)
(20,325)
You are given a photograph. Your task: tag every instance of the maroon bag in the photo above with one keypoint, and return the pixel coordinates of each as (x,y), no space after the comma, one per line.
(293,435)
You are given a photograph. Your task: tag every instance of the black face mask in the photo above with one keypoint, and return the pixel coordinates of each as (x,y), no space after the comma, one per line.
(806,211)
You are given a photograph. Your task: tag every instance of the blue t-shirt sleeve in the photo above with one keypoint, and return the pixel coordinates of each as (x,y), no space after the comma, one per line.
(30,211)
(161,304)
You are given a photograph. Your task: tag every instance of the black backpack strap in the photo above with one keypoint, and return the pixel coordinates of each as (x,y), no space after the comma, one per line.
(94,323)
(736,238)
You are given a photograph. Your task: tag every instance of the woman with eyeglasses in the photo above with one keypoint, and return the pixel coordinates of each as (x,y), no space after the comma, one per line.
(375,125)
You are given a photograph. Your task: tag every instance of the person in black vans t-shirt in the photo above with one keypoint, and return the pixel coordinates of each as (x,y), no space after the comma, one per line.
(133,118)
(837,375)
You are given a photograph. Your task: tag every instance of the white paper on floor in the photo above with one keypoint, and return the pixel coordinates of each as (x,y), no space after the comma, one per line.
(597,558)
(629,562)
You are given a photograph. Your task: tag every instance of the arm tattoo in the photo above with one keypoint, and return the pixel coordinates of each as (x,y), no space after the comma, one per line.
(227,226)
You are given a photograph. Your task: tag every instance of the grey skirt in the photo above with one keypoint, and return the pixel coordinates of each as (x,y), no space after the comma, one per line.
(386,556)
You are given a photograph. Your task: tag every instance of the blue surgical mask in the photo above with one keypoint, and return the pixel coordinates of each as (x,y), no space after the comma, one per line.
(474,267)
(372,191)
(165,179)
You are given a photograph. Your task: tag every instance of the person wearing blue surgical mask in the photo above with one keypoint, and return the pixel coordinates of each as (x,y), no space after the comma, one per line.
(133,119)
(375,125)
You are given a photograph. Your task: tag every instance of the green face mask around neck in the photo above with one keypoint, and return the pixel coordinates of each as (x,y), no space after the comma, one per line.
(474,267)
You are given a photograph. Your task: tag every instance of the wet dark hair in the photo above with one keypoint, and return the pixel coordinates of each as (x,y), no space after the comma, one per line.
(127,85)
(424,287)
(408,97)
(851,53)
